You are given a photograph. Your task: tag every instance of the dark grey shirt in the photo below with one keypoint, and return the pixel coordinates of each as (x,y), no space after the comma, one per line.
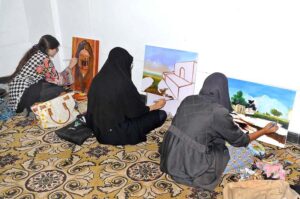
(193,151)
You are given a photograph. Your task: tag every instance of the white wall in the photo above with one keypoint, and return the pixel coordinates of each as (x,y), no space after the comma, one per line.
(251,40)
(23,22)
(75,20)
(255,41)
(39,19)
(13,38)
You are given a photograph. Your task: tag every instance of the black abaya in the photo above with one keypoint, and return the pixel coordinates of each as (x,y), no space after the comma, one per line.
(115,111)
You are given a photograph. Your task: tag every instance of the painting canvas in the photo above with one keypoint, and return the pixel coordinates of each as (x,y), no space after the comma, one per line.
(87,53)
(258,104)
(169,74)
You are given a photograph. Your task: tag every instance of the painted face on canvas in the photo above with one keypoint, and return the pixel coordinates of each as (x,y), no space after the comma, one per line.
(84,59)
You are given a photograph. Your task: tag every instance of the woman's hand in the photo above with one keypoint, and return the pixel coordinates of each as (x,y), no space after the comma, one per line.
(158,104)
(270,128)
(73,62)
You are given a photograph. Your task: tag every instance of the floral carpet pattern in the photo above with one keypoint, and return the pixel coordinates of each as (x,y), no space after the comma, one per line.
(36,163)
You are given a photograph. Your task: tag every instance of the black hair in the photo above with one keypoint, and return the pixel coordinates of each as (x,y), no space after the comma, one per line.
(46,42)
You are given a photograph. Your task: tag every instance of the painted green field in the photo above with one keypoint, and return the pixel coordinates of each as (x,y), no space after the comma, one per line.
(154,86)
(283,122)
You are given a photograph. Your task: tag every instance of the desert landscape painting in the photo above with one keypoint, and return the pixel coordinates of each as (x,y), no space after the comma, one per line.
(169,74)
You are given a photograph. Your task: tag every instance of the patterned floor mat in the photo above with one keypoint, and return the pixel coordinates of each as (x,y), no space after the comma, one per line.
(35,163)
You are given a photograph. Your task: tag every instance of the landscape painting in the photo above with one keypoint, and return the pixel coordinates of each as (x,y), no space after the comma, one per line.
(256,105)
(169,74)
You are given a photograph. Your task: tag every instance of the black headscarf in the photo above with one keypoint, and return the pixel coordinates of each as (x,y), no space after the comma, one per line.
(113,97)
(216,87)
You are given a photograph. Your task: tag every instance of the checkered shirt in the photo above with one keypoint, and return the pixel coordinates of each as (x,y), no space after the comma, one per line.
(25,78)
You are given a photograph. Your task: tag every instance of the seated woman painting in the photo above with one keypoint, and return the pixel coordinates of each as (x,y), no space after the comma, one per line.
(35,78)
(193,151)
(116,112)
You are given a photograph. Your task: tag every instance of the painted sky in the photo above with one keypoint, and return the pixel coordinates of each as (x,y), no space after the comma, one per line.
(168,57)
(266,97)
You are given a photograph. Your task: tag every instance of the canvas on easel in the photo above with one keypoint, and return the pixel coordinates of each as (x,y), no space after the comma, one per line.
(87,53)
(256,105)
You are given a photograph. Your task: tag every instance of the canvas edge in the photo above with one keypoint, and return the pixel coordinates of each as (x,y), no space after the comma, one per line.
(293,138)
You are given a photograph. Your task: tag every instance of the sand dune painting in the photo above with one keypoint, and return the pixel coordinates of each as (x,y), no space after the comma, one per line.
(256,105)
(169,74)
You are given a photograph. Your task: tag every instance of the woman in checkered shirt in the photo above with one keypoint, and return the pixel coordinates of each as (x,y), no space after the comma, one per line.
(35,78)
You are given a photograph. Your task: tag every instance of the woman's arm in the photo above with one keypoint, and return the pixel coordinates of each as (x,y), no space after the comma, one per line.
(73,62)
(224,125)
(65,77)
(269,128)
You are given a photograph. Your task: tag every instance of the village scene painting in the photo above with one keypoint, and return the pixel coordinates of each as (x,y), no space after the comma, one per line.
(255,105)
(168,74)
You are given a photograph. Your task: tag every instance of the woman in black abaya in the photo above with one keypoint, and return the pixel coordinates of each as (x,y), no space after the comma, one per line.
(193,150)
(116,112)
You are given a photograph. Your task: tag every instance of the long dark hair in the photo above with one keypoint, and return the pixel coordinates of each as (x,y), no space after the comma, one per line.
(46,42)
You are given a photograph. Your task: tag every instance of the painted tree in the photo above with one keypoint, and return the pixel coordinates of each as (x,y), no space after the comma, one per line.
(275,112)
(238,99)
